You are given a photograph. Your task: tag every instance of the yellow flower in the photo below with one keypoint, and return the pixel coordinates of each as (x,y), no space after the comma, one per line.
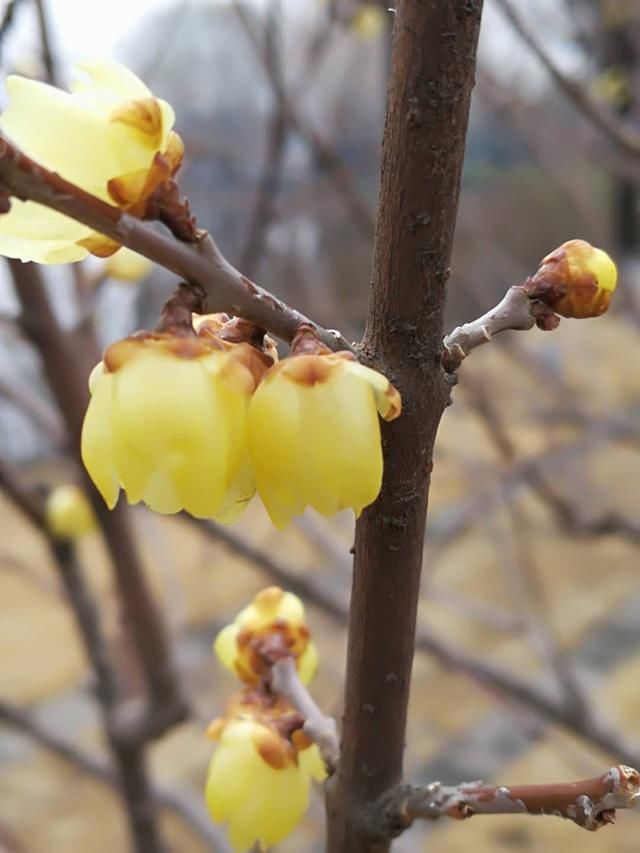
(575,280)
(109,136)
(275,620)
(260,773)
(368,21)
(314,434)
(126,265)
(68,513)
(167,423)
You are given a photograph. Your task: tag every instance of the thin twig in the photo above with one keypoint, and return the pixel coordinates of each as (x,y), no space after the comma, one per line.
(128,757)
(323,152)
(277,133)
(98,767)
(624,137)
(589,803)
(322,730)
(514,311)
(227,289)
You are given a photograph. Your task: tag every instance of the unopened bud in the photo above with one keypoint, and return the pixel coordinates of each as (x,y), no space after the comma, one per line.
(575,280)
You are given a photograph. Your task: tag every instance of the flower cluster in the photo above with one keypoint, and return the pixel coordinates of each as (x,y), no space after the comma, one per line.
(201,419)
(110,136)
(261,770)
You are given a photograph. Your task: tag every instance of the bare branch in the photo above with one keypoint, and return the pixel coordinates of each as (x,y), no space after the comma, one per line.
(172,799)
(624,137)
(515,311)
(227,289)
(324,153)
(320,729)
(589,803)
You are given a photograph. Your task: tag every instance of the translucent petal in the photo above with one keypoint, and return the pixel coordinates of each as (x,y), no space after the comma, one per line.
(225,646)
(239,493)
(31,232)
(39,118)
(311,762)
(308,664)
(112,79)
(386,396)
(97,440)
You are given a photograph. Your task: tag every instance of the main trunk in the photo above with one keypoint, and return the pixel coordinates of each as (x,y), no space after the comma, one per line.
(431,78)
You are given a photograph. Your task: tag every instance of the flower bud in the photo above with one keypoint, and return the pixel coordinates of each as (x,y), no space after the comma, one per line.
(575,280)
(272,626)
(68,514)
(167,422)
(260,773)
(110,136)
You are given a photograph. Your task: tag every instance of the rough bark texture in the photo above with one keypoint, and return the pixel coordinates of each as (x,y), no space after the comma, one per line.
(432,69)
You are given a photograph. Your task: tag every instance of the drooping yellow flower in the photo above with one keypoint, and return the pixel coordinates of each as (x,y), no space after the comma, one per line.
(274,620)
(127,266)
(575,280)
(314,434)
(167,422)
(110,136)
(261,770)
(68,514)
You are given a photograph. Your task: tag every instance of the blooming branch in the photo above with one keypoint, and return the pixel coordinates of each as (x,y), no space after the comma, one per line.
(322,730)
(202,263)
(589,803)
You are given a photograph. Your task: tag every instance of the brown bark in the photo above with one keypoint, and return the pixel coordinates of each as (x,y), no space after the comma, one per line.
(66,373)
(432,68)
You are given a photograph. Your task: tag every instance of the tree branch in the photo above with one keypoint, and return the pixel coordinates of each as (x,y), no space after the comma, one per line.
(515,311)
(623,137)
(66,374)
(204,264)
(589,803)
(320,729)
(129,757)
(99,768)
(432,68)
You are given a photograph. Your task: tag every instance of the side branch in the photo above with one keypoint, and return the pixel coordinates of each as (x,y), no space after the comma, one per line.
(320,729)
(227,289)
(517,311)
(624,137)
(589,803)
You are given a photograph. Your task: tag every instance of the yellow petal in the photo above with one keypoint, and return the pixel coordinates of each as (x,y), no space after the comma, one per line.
(31,232)
(128,266)
(259,803)
(239,494)
(308,664)
(97,439)
(225,646)
(311,762)
(111,79)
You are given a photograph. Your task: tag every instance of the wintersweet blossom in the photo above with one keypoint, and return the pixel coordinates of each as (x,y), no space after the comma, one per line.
(68,513)
(277,619)
(314,434)
(167,423)
(261,770)
(109,135)
(575,280)
(127,266)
